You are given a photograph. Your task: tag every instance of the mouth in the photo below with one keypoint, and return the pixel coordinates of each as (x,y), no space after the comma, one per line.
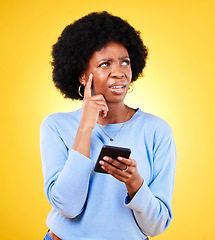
(117,88)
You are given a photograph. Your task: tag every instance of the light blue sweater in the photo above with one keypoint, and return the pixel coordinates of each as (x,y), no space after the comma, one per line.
(89,205)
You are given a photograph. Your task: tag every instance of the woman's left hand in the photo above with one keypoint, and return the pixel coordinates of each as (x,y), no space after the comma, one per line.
(125,170)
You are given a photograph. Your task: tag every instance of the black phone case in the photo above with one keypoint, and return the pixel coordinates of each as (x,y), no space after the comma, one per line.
(113,152)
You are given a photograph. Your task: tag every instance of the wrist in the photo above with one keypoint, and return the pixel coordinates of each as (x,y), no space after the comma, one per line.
(82,141)
(85,129)
(134,186)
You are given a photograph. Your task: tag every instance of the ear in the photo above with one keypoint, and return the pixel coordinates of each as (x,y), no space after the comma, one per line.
(82,79)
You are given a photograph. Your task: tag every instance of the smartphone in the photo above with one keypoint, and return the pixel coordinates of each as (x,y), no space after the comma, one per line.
(113,152)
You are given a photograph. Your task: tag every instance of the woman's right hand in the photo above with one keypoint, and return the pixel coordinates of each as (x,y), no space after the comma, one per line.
(93,107)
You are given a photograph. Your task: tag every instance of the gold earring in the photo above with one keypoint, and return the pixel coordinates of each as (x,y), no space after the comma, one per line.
(79,91)
(131,87)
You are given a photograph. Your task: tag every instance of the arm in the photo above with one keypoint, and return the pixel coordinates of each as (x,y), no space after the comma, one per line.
(152,204)
(66,173)
(93,106)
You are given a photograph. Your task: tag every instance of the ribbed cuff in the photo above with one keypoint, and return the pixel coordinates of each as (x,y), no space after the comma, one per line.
(140,199)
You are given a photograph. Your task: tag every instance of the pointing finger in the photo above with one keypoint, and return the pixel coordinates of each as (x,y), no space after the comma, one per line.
(87,91)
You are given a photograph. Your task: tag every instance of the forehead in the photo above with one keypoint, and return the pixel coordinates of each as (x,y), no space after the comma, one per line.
(110,50)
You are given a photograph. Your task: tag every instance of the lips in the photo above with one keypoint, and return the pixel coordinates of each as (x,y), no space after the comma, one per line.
(117,88)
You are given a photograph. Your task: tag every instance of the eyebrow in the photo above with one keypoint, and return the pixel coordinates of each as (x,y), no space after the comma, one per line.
(111,59)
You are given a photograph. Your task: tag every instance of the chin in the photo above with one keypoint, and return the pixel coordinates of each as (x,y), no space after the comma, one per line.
(115,98)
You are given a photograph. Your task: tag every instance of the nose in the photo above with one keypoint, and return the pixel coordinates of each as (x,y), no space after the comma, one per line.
(117,72)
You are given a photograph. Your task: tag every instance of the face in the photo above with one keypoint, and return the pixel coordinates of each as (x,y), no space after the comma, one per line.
(111,71)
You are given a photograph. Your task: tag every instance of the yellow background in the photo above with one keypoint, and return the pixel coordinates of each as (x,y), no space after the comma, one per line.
(178,86)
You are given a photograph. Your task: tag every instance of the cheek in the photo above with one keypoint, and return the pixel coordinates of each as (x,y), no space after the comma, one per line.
(100,72)
(99,77)
(99,81)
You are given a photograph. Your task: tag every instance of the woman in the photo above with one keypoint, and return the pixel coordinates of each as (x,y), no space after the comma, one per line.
(96,59)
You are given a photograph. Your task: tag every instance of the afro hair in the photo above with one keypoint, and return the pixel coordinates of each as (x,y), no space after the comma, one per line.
(78,41)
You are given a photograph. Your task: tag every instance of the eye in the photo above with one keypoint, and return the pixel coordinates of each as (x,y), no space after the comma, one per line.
(126,62)
(104,64)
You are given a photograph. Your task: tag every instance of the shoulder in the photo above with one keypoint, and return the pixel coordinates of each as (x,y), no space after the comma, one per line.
(61,118)
(154,124)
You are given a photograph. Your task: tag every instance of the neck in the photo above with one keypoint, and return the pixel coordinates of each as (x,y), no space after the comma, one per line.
(117,113)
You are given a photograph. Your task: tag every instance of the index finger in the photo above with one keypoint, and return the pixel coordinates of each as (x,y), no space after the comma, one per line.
(87,90)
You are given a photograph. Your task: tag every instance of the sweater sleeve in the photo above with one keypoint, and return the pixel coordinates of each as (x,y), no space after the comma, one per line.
(66,172)
(151,205)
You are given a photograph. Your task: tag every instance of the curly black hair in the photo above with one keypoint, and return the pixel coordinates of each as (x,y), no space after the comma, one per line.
(80,40)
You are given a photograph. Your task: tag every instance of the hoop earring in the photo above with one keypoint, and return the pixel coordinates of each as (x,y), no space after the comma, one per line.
(79,91)
(131,87)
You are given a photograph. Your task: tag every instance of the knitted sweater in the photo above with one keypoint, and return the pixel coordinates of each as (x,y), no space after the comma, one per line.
(90,205)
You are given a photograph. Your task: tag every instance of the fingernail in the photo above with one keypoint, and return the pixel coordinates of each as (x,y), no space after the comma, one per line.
(101,162)
(106,158)
(120,158)
(91,75)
